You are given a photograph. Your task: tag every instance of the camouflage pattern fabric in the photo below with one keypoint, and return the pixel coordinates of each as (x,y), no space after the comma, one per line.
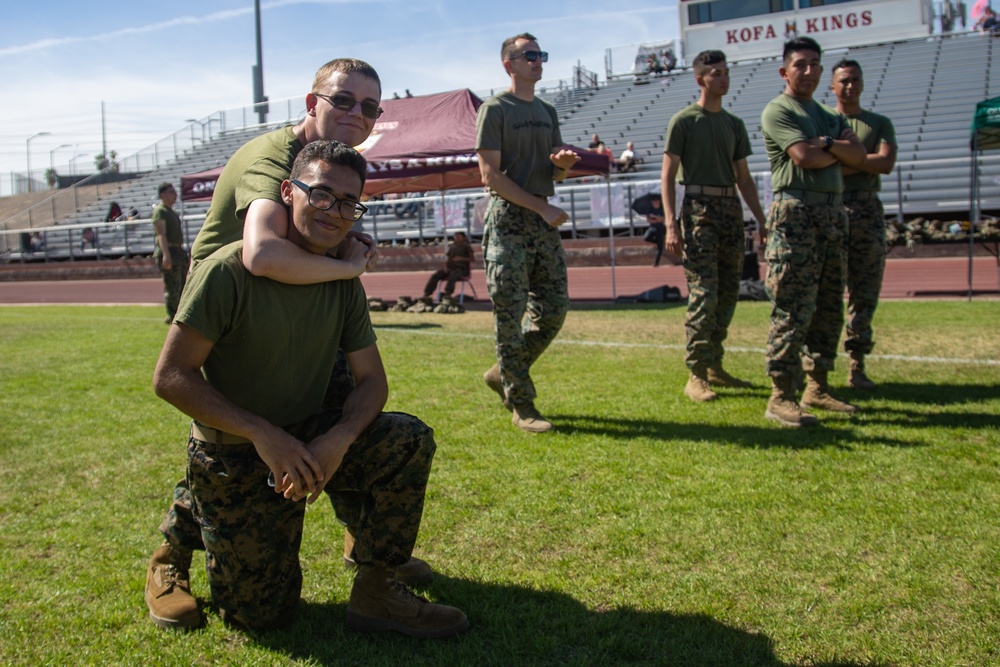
(713,265)
(866,248)
(526,277)
(252,535)
(805,281)
(174,279)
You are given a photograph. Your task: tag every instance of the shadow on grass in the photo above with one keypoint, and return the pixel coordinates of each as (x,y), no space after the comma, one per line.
(932,394)
(829,433)
(415,325)
(514,625)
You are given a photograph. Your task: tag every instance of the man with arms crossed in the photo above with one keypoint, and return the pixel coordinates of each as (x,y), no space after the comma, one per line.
(518,142)
(249,359)
(806,144)
(710,145)
(866,217)
(343,106)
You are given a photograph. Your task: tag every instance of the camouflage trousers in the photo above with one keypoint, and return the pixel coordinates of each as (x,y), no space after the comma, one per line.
(526,276)
(805,282)
(251,535)
(174,279)
(713,265)
(866,233)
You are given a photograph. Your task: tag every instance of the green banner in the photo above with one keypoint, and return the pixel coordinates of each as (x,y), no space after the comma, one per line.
(986,125)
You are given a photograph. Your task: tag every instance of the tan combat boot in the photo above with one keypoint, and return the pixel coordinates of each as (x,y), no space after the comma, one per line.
(168,591)
(527,418)
(857,379)
(719,377)
(782,406)
(414,572)
(380,603)
(493,381)
(817,394)
(697,388)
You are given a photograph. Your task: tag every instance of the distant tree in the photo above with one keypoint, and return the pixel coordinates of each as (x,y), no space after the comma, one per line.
(107,162)
(52,178)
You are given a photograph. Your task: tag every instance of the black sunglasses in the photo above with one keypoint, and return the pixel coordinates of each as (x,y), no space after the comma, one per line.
(346,103)
(532,56)
(324,200)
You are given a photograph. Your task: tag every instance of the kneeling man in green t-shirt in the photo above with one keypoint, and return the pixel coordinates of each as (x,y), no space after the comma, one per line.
(249,359)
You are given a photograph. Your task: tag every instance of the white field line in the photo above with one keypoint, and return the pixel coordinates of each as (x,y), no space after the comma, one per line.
(669,346)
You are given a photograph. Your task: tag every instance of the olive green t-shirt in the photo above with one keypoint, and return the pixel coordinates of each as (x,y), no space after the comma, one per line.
(274,344)
(787,120)
(525,133)
(171,223)
(707,142)
(872,129)
(255,171)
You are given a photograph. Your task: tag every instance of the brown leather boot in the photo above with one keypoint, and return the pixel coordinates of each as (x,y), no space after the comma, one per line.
(379,602)
(414,572)
(527,418)
(168,591)
(782,406)
(817,394)
(857,379)
(719,377)
(697,388)
(494,382)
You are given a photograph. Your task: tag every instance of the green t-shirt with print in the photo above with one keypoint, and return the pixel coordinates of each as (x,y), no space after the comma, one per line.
(525,133)
(788,120)
(274,344)
(255,171)
(707,143)
(872,129)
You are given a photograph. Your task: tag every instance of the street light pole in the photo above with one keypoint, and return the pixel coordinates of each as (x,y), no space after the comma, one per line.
(27,146)
(52,155)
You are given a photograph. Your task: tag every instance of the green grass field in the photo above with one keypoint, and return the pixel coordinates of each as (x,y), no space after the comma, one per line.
(645,530)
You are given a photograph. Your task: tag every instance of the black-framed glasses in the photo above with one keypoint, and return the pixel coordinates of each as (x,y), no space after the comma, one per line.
(532,56)
(344,102)
(324,200)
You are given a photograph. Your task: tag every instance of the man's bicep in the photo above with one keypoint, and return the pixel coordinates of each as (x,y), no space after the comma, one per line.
(184,352)
(366,363)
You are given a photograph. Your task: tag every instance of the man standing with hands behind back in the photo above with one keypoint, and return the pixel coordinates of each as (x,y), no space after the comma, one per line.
(518,140)
(806,144)
(866,217)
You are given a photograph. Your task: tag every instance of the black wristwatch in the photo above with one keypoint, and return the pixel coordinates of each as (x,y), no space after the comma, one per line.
(829,142)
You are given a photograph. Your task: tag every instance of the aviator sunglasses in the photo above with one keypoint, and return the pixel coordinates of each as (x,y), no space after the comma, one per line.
(532,56)
(346,103)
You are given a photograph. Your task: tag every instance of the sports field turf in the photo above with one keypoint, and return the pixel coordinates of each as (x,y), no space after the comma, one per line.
(645,530)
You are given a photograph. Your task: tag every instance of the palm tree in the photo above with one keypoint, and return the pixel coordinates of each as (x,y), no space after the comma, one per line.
(52,178)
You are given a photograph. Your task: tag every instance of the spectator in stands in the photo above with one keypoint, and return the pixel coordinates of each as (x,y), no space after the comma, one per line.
(806,144)
(626,161)
(458,266)
(712,219)
(342,106)
(518,142)
(669,60)
(987,23)
(169,253)
(605,151)
(595,141)
(36,243)
(248,360)
(654,64)
(88,237)
(866,229)
(114,212)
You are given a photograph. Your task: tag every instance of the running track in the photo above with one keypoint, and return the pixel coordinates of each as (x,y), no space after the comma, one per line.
(932,278)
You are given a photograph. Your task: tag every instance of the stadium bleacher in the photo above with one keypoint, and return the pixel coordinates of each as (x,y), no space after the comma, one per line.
(929,88)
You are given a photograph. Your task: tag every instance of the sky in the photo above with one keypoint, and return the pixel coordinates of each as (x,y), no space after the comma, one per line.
(156,64)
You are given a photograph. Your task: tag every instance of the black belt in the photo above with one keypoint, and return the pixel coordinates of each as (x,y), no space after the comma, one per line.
(809,197)
(713,190)
(860,195)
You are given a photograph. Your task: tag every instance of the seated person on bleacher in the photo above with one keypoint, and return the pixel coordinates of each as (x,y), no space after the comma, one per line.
(626,161)
(458,266)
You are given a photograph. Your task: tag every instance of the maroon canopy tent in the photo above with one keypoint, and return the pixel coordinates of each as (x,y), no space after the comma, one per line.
(428,143)
(200,186)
